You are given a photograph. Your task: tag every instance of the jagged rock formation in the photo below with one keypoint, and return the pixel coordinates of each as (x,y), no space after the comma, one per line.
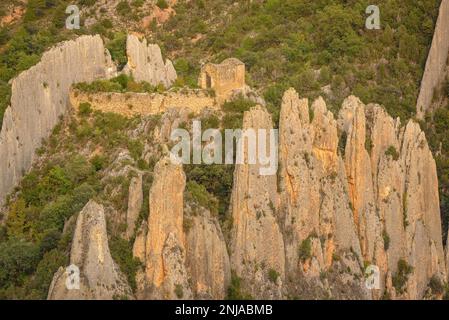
(257,246)
(40,97)
(135,201)
(145,63)
(351,192)
(179,263)
(314,191)
(163,253)
(436,65)
(100,278)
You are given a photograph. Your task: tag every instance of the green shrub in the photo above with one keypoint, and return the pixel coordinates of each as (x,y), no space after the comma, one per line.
(162,4)
(17,259)
(85,109)
(179,291)
(50,240)
(201,196)
(436,285)
(121,252)
(386,238)
(342,143)
(40,282)
(117,47)
(16,224)
(393,153)
(138,3)
(238,105)
(87,3)
(401,277)
(135,148)
(305,250)
(273,275)
(123,8)
(122,83)
(235,290)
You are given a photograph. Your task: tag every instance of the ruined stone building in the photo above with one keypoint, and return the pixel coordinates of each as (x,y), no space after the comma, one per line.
(224,78)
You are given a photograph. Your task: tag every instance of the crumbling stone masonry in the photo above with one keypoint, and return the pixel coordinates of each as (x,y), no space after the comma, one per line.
(223,78)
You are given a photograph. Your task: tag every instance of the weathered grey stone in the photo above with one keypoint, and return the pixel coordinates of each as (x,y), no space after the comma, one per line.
(145,63)
(100,277)
(435,71)
(135,200)
(40,96)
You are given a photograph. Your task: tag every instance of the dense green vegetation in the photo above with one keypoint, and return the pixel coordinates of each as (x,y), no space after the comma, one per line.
(32,242)
(217,179)
(121,83)
(305,250)
(308,45)
(122,253)
(22,45)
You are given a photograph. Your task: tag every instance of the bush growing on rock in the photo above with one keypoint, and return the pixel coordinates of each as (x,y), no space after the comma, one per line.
(401,277)
(305,250)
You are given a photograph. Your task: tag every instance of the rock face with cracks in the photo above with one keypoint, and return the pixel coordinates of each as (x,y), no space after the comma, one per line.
(257,245)
(180,263)
(145,63)
(99,276)
(40,96)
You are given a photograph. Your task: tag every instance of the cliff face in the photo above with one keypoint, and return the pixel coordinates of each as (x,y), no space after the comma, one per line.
(145,63)
(40,97)
(179,263)
(403,220)
(319,225)
(361,190)
(351,191)
(100,278)
(207,260)
(135,202)
(436,70)
(164,252)
(257,244)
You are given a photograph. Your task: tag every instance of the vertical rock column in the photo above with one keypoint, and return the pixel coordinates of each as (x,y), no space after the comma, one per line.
(313,188)
(162,248)
(371,231)
(257,246)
